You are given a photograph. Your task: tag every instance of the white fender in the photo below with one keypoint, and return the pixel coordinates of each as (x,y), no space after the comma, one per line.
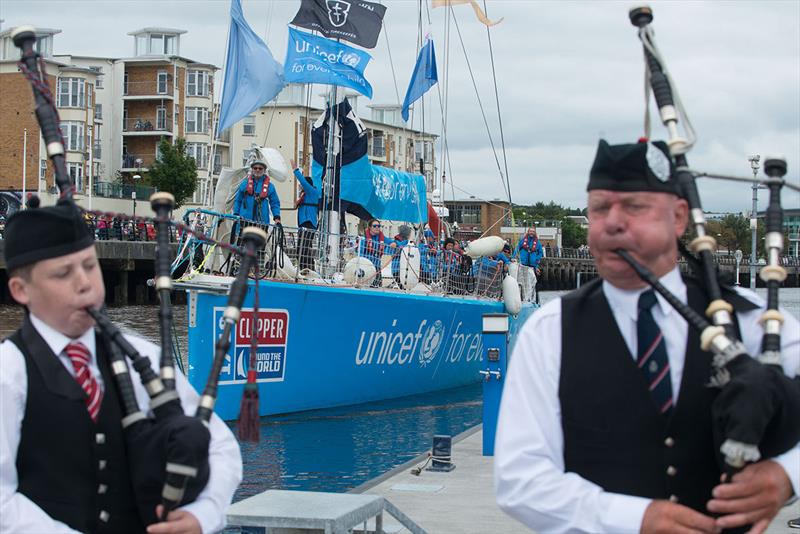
(485,246)
(511,296)
(409,266)
(288,270)
(513,270)
(359,271)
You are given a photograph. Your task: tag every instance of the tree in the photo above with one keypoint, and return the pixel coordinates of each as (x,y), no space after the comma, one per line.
(174,171)
(572,234)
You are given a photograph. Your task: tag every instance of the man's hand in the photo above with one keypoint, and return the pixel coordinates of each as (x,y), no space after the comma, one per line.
(294,163)
(393,245)
(755,496)
(277,220)
(671,518)
(178,522)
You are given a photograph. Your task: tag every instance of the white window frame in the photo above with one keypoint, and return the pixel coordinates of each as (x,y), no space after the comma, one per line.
(198,117)
(74,135)
(197,83)
(161,118)
(249,125)
(89,96)
(198,152)
(71,92)
(162,78)
(75,171)
(42,169)
(98,111)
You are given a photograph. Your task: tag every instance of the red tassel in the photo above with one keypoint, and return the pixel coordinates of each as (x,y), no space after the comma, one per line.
(249,428)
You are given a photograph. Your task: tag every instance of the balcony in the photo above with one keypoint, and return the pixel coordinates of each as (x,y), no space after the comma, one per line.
(142,126)
(115,190)
(130,163)
(147,90)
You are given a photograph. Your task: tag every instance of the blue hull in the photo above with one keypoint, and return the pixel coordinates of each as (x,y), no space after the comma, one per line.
(322,346)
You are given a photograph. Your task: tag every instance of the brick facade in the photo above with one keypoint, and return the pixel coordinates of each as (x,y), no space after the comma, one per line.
(16,115)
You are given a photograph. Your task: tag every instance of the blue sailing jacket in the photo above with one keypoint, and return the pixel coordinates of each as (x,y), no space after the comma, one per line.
(308,209)
(245,205)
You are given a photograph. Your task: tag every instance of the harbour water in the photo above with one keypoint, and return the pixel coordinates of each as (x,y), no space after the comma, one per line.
(340,448)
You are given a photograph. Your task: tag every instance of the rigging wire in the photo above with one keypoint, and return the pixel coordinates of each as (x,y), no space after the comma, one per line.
(497,100)
(480,102)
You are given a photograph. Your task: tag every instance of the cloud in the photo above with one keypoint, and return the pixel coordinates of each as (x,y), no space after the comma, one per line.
(567,74)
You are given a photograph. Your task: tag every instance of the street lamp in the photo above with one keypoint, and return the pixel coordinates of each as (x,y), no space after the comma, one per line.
(754,159)
(136,178)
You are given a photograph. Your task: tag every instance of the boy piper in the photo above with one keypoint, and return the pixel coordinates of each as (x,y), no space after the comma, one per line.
(63,465)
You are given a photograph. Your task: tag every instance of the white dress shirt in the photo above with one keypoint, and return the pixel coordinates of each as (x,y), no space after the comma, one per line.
(530,481)
(20,514)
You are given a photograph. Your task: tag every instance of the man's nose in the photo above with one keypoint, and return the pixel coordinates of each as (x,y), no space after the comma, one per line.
(615,220)
(82,280)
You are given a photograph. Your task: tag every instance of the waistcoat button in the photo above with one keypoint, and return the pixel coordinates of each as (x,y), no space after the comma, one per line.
(104,516)
(669,442)
(671,471)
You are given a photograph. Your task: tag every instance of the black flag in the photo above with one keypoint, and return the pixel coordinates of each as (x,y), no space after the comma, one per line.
(356,21)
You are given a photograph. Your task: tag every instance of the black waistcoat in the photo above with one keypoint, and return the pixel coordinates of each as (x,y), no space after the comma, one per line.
(613,433)
(74,469)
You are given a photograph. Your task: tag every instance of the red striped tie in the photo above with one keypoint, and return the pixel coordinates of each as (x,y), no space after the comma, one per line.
(80,358)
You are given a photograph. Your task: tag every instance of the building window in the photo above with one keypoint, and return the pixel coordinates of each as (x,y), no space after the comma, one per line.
(378,144)
(196,120)
(465,213)
(98,112)
(89,95)
(44,45)
(198,152)
(71,93)
(249,125)
(245,156)
(75,171)
(161,84)
(161,118)
(125,84)
(197,83)
(73,133)
(98,83)
(42,169)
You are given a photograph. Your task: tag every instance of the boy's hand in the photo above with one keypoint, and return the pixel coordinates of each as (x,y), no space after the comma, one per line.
(178,522)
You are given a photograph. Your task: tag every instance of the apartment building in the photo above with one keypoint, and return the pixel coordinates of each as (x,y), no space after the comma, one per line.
(285,124)
(21,146)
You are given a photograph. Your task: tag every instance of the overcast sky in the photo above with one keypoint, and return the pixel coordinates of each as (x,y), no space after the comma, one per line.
(568,73)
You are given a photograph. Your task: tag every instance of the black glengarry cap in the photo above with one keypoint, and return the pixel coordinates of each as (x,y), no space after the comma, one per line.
(644,166)
(43,233)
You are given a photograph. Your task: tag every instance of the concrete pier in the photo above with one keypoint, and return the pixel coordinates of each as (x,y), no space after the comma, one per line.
(462,501)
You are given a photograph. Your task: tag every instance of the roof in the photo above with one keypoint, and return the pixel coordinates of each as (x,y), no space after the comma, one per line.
(39,31)
(156,29)
(385,106)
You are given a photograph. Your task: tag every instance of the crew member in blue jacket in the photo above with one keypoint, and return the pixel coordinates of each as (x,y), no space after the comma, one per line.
(530,250)
(374,244)
(256,196)
(401,240)
(428,258)
(307,216)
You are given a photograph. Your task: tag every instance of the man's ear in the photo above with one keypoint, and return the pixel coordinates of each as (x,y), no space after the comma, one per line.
(19,290)
(681,217)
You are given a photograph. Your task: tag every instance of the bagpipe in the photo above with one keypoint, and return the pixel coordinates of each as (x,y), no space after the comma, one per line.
(168,450)
(756,411)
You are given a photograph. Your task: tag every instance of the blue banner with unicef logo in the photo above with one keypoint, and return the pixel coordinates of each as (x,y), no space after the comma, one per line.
(385,193)
(312,59)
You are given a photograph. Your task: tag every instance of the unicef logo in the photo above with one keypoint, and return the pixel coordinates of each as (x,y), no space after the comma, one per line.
(351,60)
(430,343)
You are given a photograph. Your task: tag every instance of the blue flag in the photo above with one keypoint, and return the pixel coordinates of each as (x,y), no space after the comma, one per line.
(252,76)
(312,59)
(424,76)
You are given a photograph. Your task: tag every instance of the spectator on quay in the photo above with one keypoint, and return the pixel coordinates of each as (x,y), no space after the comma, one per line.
(102,227)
